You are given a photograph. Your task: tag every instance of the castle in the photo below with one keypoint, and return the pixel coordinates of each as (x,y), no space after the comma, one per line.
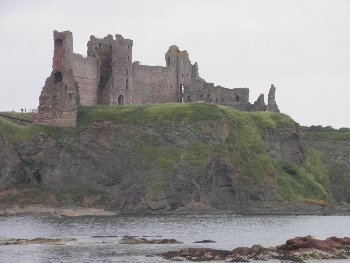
(107,76)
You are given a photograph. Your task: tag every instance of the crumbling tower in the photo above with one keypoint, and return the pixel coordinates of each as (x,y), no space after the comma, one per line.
(59,97)
(271,102)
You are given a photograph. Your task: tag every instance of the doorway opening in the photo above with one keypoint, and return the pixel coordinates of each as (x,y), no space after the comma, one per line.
(182,91)
(120,100)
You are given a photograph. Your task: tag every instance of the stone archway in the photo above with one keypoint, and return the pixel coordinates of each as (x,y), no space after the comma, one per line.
(120,100)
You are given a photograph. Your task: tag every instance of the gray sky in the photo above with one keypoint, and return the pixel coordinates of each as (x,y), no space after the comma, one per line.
(302,46)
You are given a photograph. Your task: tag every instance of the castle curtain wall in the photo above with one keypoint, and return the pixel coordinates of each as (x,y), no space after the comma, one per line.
(85,74)
(153,84)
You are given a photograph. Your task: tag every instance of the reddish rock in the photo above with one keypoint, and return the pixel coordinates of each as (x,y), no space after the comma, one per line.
(295,250)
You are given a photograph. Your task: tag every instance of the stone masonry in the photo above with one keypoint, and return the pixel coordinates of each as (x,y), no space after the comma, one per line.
(107,76)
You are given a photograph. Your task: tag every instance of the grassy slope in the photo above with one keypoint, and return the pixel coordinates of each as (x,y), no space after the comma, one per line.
(319,133)
(243,149)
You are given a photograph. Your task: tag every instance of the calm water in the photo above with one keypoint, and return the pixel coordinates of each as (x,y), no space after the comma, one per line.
(227,231)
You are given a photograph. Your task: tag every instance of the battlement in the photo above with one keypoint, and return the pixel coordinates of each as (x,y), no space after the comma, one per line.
(108,76)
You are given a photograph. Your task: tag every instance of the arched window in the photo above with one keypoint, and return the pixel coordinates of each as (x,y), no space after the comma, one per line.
(237,98)
(168,61)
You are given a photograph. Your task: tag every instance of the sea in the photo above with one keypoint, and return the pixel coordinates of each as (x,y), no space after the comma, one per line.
(97,237)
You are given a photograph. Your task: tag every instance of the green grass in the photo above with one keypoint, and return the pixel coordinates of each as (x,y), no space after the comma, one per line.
(15,132)
(315,165)
(30,116)
(311,183)
(273,121)
(157,113)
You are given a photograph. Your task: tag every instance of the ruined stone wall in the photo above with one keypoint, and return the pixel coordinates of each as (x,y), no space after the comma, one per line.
(200,90)
(59,98)
(58,101)
(108,76)
(259,104)
(237,98)
(153,84)
(271,103)
(86,75)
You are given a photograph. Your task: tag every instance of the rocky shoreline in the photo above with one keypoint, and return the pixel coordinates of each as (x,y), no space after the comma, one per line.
(297,249)
(288,208)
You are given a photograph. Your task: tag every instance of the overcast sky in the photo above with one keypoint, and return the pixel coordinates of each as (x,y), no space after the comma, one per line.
(301,46)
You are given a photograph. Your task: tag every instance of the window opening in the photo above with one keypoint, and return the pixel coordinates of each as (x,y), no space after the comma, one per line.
(58,77)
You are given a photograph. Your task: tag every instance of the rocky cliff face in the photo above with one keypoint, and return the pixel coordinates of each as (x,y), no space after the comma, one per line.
(159,158)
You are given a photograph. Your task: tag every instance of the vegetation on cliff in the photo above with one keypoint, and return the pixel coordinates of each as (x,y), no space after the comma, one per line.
(328,133)
(242,147)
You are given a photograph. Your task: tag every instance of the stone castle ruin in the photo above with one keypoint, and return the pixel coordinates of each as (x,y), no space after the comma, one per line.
(107,76)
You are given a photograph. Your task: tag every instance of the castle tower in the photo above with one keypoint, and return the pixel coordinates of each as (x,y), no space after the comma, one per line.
(115,68)
(122,71)
(102,50)
(178,63)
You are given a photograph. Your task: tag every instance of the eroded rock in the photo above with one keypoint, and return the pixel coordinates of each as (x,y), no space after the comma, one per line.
(310,248)
(132,240)
(205,241)
(197,254)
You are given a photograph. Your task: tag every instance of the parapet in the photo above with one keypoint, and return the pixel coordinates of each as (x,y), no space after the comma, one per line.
(62,35)
(121,39)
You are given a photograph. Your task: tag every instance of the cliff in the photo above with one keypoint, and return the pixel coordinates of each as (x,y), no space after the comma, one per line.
(171,158)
